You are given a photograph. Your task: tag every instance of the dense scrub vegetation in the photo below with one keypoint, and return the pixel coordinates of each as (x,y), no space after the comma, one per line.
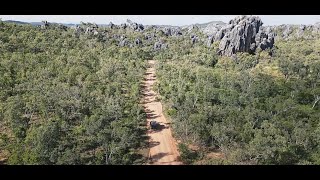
(67,99)
(256,109)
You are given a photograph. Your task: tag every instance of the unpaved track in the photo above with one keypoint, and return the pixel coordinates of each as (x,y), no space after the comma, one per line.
(163,147)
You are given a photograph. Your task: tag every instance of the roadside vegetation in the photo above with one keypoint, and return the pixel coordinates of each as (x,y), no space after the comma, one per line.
(69,98)
(253,109)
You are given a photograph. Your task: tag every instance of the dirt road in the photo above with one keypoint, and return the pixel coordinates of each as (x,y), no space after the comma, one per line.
(163,148)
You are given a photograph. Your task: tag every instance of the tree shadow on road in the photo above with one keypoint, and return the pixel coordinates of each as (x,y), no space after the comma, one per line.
(156,157)
(153,144)
(149,79)
(152,116)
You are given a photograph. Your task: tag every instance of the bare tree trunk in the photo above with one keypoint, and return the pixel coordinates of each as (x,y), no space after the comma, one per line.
(107,162)
(212,140)
(315,102)
(186,131)
(108,157)
(195,101)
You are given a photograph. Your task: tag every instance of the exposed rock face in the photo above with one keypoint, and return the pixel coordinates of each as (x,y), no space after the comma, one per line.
(210,40)
(135,26)
(244,34)
(57,26)
(123,26)
(123,43)
(62,27)
(316,28)
(159,45)
(193,28)
(264,39)
(176,32)
(212,29)
(77,29)
(172,31)
(92,30)
(301,30)
(194,39)
(167,31)
(137,42)
(111,25)
(287,31)
(149,37)
(45,25)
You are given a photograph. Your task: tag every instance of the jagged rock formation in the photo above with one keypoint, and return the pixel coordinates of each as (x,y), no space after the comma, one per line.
(47,25)
(289,32)
(123,41)
(243,34)
(149,37)
(212,29)
(77,30)
(137,42)
(264,39)
(210,40)
(123,26)
(172,31)
(112,26)
(135,26)
(192,28)
(159,45)
(194,39)
(176,32)
(92,29)
(86,28)
(316,28)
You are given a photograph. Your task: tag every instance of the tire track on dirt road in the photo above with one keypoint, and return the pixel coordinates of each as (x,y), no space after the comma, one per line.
(163,147)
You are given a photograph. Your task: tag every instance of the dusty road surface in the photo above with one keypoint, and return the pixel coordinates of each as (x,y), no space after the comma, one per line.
(163,147)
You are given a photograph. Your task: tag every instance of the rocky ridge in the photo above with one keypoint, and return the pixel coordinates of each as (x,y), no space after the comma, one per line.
(241,34)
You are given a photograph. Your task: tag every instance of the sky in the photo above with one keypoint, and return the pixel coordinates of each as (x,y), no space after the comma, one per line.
(178,20)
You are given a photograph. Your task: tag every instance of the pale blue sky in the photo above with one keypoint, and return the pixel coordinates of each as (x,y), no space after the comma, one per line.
(161,19)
